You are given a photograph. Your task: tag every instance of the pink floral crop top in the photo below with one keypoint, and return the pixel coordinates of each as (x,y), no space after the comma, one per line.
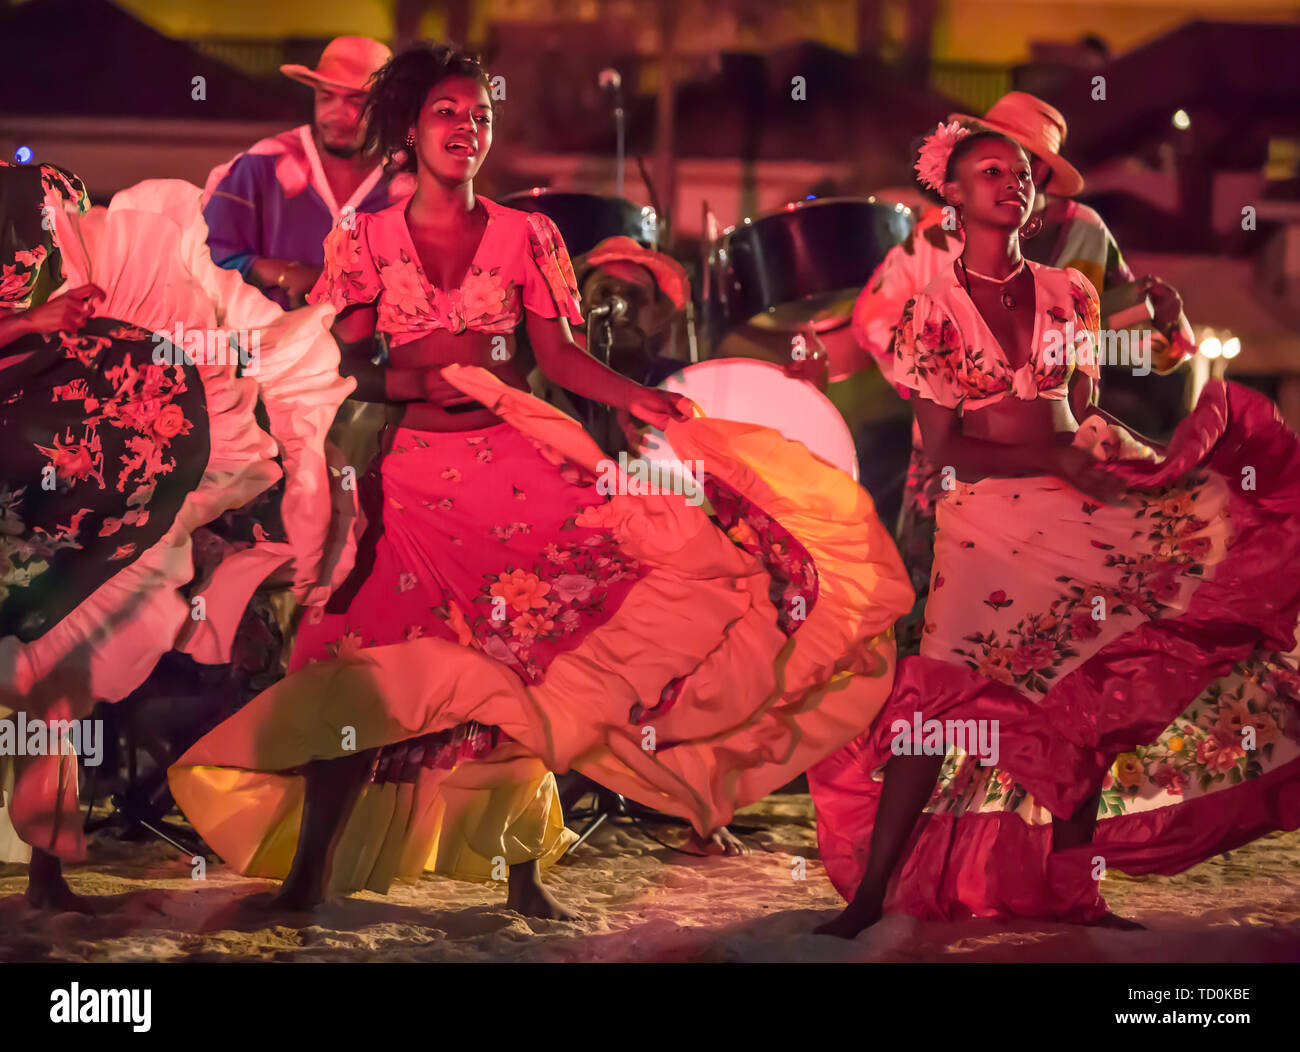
(521,265)
(947,354)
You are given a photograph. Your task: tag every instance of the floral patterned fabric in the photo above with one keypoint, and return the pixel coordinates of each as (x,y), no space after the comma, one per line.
(947,354)
(1033,583)
(374,260)
(101,444)
(30,264)
(1083,243)
(101,447)
(481,541)
(942,366)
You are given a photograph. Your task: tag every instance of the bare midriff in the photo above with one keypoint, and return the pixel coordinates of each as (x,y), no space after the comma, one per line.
(440,348)
(1017,422)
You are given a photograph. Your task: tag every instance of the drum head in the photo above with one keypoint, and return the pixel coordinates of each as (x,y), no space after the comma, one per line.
(755,392)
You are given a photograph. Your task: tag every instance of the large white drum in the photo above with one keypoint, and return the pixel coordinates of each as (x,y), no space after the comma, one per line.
(757,392)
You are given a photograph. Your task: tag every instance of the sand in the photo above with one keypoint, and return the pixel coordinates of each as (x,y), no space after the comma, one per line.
(641,902)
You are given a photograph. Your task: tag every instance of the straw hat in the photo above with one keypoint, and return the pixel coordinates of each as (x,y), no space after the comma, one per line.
(346,62)
(669,275)
(1039,128)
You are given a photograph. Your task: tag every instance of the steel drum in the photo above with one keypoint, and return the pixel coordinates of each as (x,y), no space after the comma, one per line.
(755,392)
(585,220)
(805,264)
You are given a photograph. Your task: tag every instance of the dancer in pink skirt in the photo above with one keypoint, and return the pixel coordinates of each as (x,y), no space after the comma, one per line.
(1109,640)
(508,616)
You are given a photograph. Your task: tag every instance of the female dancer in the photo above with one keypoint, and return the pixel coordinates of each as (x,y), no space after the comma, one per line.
(1060,232)
(510,616)
(1114,612)
(117,447)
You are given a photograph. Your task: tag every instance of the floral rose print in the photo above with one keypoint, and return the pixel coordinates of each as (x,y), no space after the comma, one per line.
(934,358)
(105,424)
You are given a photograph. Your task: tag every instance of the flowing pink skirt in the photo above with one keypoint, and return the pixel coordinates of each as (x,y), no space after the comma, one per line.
(693,658)
(1146,647)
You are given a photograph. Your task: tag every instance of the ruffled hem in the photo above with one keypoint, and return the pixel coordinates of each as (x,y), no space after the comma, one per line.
(109,644)
(147,252)
(1060,747)
(755,707)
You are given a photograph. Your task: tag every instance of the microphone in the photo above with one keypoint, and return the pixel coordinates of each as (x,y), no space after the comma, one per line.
(611,81)
(615,308)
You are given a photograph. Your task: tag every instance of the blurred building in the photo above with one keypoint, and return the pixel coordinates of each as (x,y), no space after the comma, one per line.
(770,102)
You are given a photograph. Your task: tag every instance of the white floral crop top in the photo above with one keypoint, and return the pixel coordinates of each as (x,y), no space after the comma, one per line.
(947,354)
(521,265)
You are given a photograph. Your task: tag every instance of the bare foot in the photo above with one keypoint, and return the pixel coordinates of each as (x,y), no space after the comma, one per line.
(56,895)
(47,890)
(295,898)
(526,894)
(1118,923)
(851,922)
(722,841)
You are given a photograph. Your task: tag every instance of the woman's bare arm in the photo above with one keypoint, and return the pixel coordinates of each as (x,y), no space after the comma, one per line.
(562,361)
(1084,395)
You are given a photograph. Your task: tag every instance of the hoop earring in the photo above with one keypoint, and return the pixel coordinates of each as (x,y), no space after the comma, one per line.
(1032,228)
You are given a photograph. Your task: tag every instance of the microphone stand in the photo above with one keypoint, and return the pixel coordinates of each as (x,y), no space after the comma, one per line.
(606,314)
(620,148)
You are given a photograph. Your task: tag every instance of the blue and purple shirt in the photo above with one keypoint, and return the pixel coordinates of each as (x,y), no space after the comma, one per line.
(274,200)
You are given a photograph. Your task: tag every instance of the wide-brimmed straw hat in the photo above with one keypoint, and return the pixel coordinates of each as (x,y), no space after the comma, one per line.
(346,62)
(1039,128)
(669,275)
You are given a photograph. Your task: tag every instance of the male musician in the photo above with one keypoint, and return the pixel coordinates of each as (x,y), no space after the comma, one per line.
(269,209)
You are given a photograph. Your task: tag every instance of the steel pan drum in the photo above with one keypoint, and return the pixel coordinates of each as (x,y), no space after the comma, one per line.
(585,220)
(805,264)
(755,392)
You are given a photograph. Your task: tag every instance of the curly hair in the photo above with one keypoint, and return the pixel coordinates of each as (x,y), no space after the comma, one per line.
(399,89)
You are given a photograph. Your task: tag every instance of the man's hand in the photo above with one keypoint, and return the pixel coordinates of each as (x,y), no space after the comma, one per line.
(294,278)
(298,280)
(812,365)
(66,313)
(1166,303)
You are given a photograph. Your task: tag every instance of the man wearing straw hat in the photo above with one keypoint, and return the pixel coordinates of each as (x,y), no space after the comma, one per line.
(269,209)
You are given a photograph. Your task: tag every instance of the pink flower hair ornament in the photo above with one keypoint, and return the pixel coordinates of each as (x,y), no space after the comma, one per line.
(932,164)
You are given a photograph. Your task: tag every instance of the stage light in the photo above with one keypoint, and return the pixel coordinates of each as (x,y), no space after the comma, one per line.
(1231,347)
(23,155)
(1211,347)
(1181,121)
(811,197)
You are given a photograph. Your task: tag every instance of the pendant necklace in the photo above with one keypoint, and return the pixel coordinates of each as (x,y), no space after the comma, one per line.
(1008,300)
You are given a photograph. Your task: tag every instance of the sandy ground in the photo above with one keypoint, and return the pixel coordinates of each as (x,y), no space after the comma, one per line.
(641,902)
